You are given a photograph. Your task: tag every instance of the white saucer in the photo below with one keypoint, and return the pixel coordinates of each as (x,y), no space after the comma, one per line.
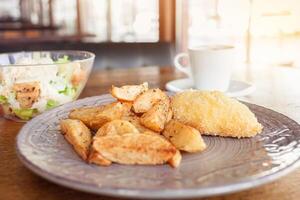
(236,88)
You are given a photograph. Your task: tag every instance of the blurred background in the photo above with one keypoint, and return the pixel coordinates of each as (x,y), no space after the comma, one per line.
(134,33)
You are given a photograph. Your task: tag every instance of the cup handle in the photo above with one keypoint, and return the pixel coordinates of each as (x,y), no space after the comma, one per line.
(178,66)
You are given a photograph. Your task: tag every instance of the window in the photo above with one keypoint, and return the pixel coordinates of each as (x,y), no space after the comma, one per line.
(120,20)
(262,33)
(105,20)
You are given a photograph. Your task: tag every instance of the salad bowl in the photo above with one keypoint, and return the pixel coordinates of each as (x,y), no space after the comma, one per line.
(33,82)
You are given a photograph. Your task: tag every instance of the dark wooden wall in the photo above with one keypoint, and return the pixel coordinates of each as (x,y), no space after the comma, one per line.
(108,55)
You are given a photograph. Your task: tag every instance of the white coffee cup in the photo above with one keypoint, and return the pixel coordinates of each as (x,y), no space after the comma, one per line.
(210,66)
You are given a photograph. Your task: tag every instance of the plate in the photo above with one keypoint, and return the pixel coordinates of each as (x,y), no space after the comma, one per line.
(227,165)
(236,88)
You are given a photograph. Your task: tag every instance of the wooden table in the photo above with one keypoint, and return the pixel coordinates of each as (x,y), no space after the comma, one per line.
(277,88)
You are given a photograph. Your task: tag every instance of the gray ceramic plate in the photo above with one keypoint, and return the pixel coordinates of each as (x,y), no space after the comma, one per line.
(226,166)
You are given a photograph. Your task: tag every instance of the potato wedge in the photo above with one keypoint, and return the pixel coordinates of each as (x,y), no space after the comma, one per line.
(78,135)
(95,117)
(96,158)
(128,92)
(132,149)
(135,120)
(153,133)
(156,117)
(170,115)
(86,114)
(110,112)
(116,127)
(184,137)
(175,160)
(127,108)
(146,100)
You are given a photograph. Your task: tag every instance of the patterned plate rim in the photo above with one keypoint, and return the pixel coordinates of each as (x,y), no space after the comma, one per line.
(146,193)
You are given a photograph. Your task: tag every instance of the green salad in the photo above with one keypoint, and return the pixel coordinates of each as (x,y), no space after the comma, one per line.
(29,90)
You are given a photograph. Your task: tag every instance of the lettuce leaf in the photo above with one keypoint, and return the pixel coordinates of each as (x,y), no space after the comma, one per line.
(62,60)
(25,113)
(51,104)
(68,91)
(3,99)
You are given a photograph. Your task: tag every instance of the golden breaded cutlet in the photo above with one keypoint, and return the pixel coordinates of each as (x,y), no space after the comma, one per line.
(213,113)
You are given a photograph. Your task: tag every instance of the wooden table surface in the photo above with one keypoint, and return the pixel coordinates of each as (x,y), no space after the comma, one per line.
(277,88)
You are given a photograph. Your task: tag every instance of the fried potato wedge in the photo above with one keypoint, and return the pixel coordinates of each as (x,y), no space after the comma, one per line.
(146,100)
(132,149)
(110,112)
(127,109)
(175,160)
(135,120)
(170,115)
(96,158)
(213,113)
(153,133)
(116,127)
(95,117)
(78,135)
(156,117)
(184,137)
(128,92)
(86,114)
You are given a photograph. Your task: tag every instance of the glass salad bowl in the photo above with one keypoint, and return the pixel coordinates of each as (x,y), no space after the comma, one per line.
(33,82)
